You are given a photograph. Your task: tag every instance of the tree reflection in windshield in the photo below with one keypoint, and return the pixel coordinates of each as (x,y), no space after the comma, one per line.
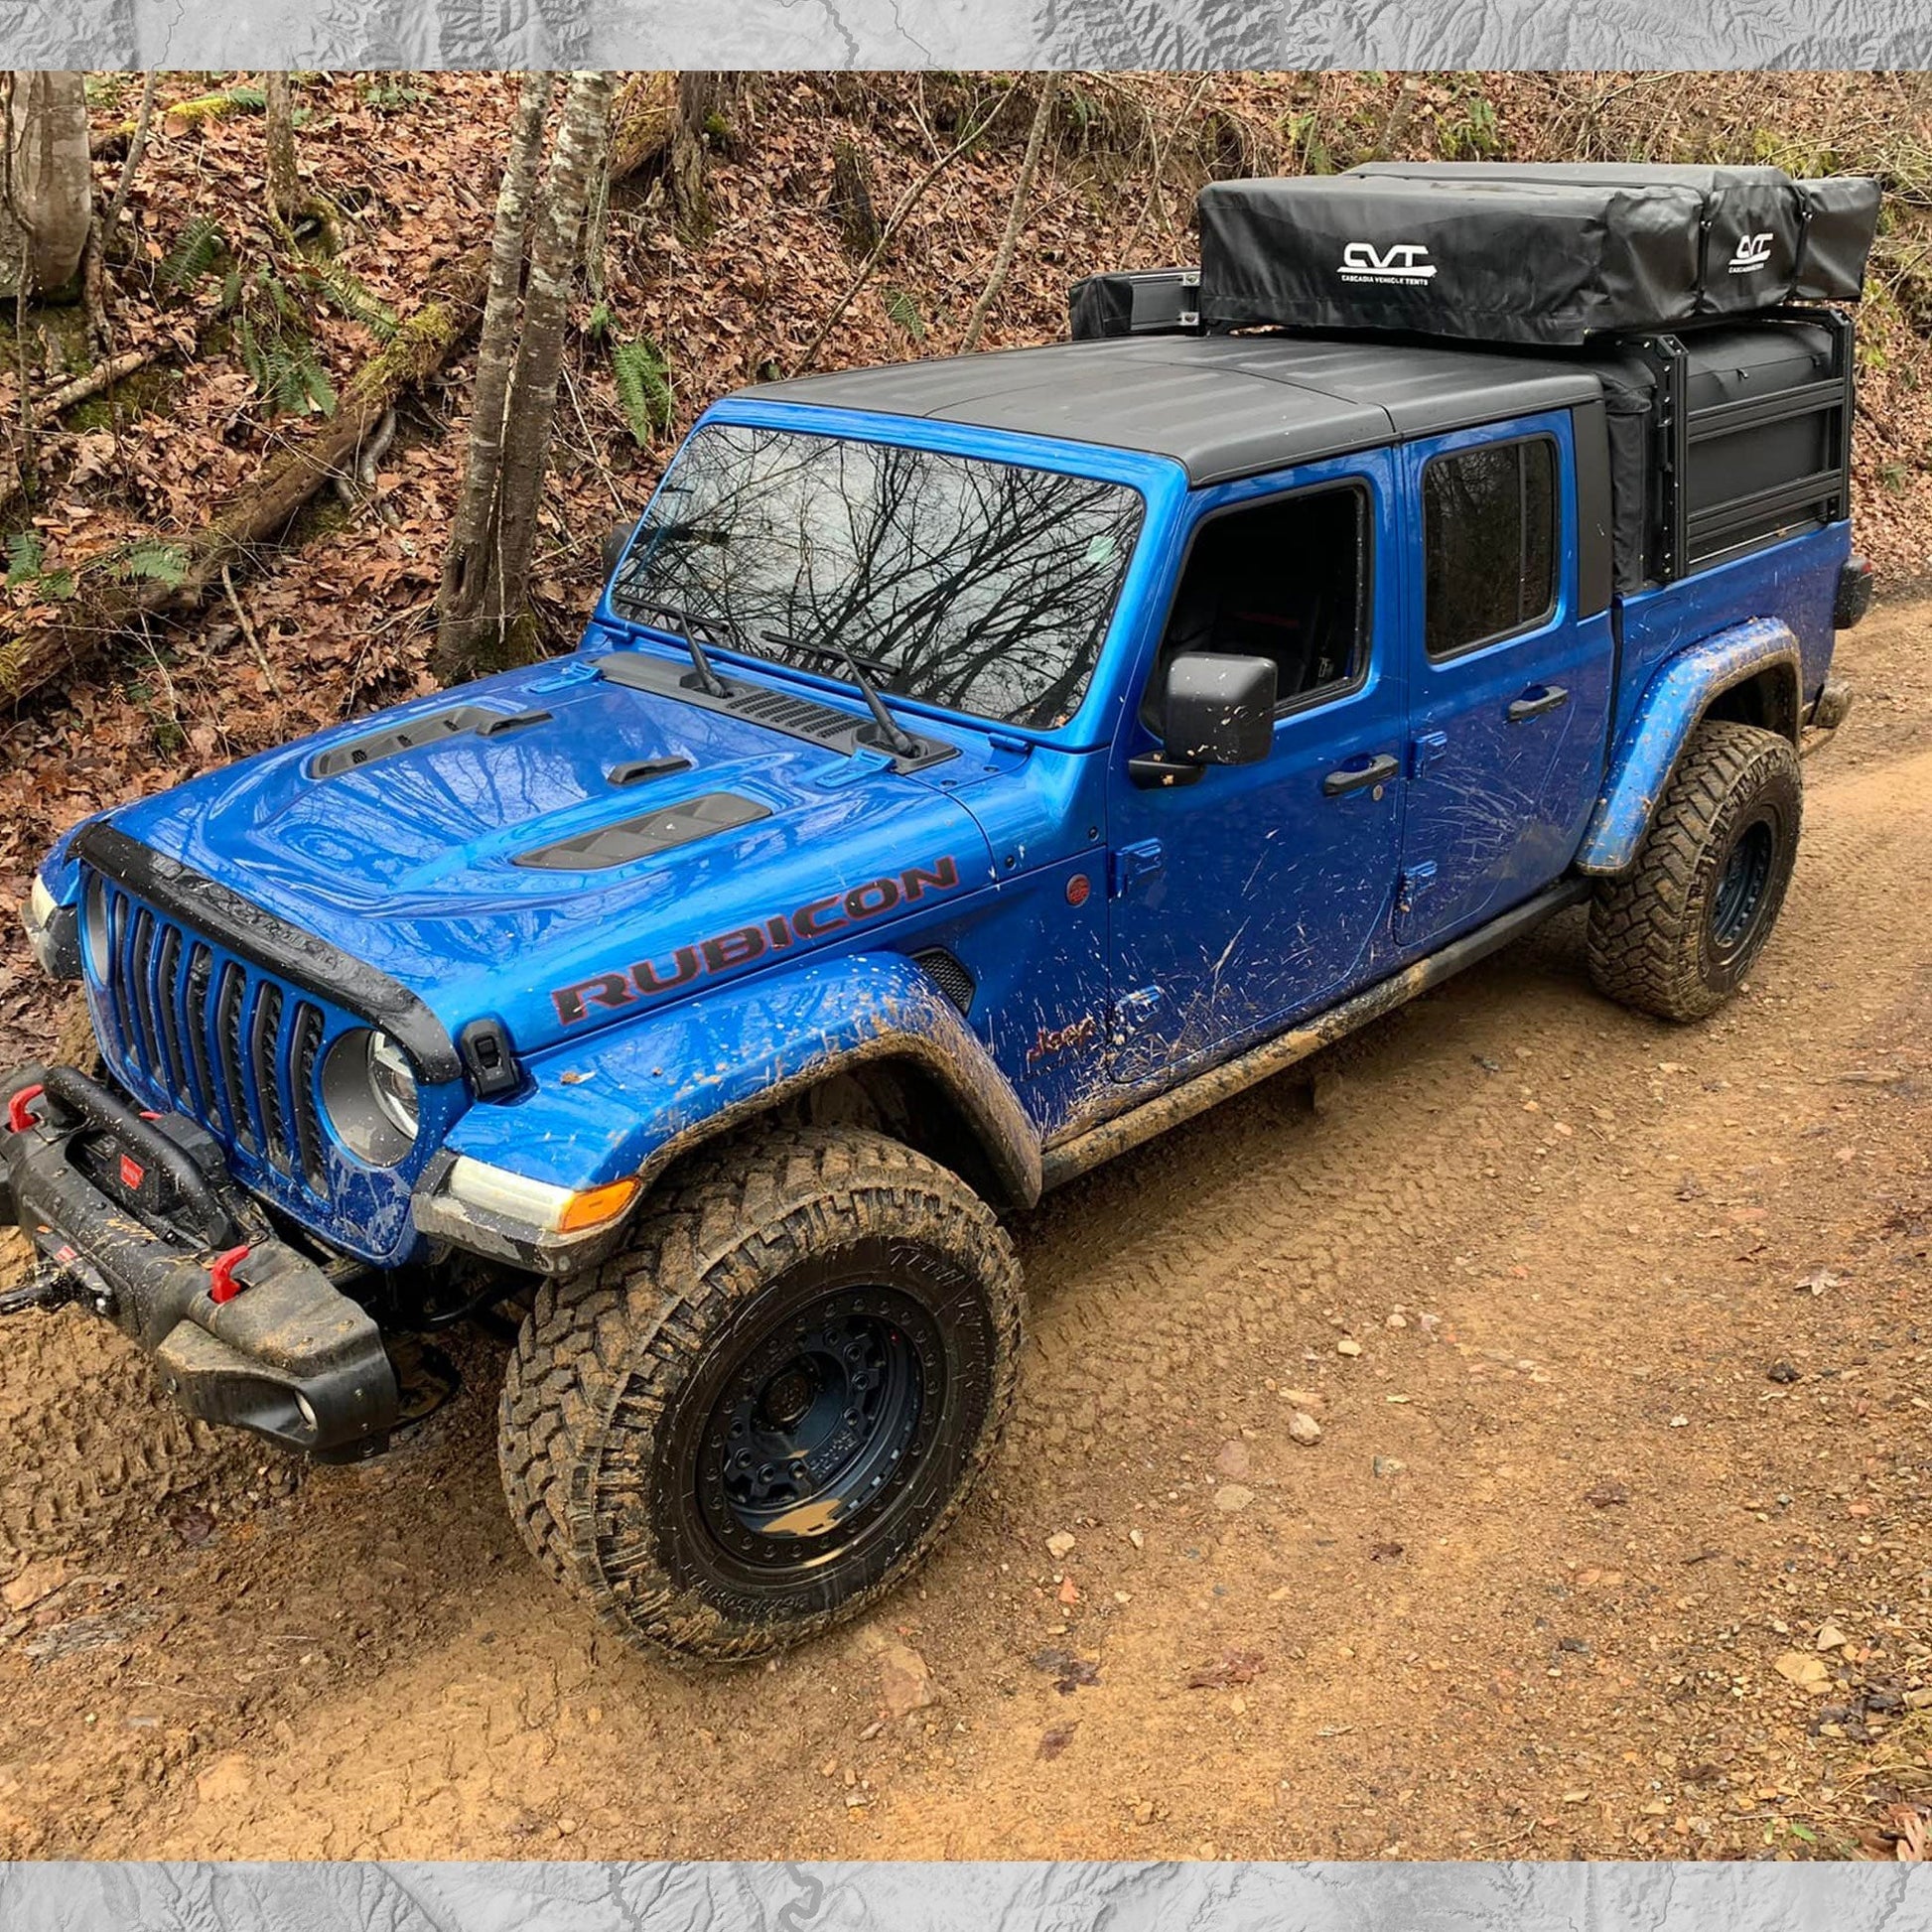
(980,585)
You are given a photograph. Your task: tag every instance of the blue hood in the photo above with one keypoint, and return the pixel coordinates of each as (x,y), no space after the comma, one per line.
(408,861)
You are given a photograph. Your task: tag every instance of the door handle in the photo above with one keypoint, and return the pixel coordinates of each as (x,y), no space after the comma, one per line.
(1378,770)
(1534,702)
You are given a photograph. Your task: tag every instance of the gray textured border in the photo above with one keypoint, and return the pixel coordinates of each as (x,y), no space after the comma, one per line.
(224,33)
(1063,1897)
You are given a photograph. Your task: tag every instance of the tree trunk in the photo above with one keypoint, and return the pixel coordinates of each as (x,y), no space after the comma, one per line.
(48,204)
(285,202)
(137,147)
(701,98)
(1016,215)
(462,626)
(258,512)
(531,413)
(851,199)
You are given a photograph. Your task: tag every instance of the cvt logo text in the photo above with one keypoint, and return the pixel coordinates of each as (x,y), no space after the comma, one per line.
(1401,261)
(1753,252)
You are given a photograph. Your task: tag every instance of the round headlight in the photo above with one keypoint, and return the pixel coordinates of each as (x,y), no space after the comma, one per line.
(393,1082)
(368,1089)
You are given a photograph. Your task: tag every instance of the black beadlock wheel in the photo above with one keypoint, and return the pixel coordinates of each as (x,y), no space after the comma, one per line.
(763,1414)
(1678,933)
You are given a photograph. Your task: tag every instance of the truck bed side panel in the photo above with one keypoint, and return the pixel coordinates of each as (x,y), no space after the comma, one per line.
(1794,582)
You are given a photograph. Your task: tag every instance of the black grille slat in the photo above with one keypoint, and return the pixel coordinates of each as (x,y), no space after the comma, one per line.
(195,998)
(167,976)
(264,1038)
(229,999)
(116,977)
(305,1051)
(140,952)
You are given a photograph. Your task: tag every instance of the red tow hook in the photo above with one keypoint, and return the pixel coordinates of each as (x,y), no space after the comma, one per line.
(18,1117)
(221,1284)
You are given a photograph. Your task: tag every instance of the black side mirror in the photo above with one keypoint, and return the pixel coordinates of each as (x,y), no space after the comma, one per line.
(1220,709)
(616,540)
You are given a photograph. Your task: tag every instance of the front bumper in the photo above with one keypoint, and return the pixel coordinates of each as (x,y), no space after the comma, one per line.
(136,1218)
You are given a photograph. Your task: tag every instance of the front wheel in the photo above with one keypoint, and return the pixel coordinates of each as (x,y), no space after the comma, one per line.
(763,1414)
(1677,934)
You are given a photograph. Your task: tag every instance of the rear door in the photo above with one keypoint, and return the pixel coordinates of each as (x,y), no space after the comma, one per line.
(1262,891)
(1509,692)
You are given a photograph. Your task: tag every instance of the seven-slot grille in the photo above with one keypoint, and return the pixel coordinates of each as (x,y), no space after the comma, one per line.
(228,1044)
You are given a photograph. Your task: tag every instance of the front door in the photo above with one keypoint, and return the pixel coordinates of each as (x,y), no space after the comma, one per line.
(1264,890)
(1509,693)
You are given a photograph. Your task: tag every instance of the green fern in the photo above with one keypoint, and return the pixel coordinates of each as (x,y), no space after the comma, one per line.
(386,94)
(249,345)
(273,340)
(302,384)
(254,99)
(24,554)
(348,296)
(197,249)
(644,379)
(166,563)
(904,314)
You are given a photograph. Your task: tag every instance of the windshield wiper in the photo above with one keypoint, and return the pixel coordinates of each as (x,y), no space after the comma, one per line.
(890,729)
(685,627)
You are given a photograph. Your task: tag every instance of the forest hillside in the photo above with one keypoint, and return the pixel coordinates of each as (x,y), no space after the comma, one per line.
(774,223)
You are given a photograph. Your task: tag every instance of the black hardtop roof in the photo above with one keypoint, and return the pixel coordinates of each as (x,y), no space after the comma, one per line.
(1222,406)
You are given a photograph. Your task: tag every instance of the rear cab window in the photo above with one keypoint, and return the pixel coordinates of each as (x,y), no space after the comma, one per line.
(1489,543)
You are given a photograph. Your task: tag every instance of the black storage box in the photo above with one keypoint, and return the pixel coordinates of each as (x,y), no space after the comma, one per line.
(1146,302)
(1724,438)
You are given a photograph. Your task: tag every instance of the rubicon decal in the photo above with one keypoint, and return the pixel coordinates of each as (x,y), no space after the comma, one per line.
(1401,261)
(738,946)
(1753,252)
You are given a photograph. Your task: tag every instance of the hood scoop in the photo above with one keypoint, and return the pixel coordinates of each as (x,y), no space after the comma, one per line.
(432,730)
(648,835)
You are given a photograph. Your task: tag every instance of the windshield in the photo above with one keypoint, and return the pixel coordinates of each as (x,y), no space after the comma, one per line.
(984,587)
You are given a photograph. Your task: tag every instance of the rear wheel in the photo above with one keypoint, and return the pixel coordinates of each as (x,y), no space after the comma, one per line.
(1678,933)
(760,1416)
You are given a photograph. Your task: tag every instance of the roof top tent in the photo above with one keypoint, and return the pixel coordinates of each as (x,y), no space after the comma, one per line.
(1730,407)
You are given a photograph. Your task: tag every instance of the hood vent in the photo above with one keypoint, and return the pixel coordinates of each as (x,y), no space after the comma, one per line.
(798,716)
(648,835)
(432,730)
(762,704)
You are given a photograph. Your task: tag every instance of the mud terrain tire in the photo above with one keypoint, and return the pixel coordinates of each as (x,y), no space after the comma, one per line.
(1677,934)
(824,1290)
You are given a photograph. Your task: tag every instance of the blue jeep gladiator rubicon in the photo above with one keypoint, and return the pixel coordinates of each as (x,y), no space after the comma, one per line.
(971,769)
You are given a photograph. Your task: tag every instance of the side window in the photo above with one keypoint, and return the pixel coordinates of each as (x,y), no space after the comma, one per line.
(1489,543)
(1286,579)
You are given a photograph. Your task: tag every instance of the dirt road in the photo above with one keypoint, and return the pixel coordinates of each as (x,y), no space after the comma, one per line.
(1614,1543)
